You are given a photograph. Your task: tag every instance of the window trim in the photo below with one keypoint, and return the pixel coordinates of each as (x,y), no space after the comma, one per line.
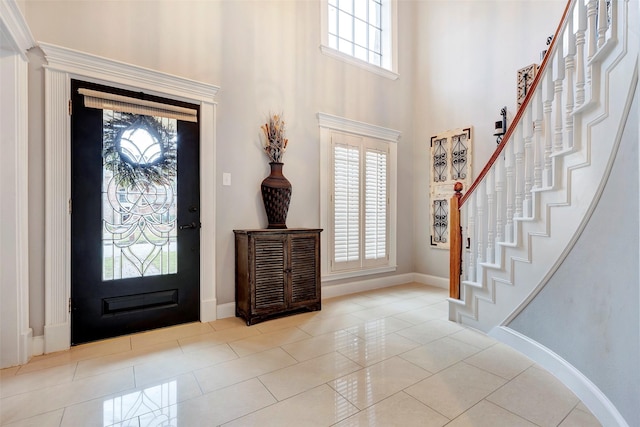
(328,124)
(389,27)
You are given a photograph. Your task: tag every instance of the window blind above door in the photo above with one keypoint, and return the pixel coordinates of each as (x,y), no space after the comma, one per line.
(126,104)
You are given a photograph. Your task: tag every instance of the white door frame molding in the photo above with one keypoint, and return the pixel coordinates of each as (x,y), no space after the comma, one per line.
(62,65)
(15,41)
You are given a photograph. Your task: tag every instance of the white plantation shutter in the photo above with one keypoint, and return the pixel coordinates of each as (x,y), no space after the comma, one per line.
(346,203)
(375,234)
(360,202)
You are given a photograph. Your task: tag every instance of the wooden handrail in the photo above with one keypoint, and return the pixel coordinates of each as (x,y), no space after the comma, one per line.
(521,110)
(455,239)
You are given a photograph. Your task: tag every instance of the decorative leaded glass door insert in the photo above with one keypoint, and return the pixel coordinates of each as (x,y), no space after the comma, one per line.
(138,214)
(135,235)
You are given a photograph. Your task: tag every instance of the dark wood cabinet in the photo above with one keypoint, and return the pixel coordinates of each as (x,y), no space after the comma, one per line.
(277,272)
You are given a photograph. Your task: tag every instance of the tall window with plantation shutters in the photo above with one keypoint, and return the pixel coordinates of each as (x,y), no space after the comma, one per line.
(358,188)
(360,213)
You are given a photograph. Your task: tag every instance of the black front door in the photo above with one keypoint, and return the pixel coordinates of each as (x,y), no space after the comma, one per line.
(135,222)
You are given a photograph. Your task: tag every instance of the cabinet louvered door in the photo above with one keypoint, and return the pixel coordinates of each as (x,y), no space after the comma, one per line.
(277,272)
(269,273)
(304,269)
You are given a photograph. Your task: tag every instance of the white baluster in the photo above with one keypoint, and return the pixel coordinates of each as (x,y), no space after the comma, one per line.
(569,64)
(548,141)
(527,137)
(592,11)
(538,147)
(518,150)
(510,192)
(603,22)
(558,81)
(479,195)
(491,217)
(470,209)
(500,205)
(580,48)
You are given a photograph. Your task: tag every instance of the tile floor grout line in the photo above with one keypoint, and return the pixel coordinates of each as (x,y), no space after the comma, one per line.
(505,408)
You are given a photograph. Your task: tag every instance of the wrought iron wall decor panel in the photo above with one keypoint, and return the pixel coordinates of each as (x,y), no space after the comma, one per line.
(526,75)
(451,161)
(459,157)
(440,220)
(440,159)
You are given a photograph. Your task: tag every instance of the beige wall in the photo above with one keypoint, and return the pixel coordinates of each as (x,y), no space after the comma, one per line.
(457,68)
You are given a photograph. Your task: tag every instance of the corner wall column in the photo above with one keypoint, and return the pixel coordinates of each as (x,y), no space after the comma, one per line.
(57,327)
(15,41)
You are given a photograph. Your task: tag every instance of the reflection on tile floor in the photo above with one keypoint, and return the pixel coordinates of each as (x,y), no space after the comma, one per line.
(387,357)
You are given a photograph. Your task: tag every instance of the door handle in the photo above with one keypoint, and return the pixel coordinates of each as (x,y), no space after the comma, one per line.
(189,226)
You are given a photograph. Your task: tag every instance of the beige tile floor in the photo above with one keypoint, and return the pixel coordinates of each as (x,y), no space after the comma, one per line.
(382,358)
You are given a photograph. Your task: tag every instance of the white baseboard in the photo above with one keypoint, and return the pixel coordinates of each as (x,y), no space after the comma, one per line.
(331,291)
(599,405)
(426,279)
(57,337)
(26,344)
(208,310)
(37,345)
(227,310)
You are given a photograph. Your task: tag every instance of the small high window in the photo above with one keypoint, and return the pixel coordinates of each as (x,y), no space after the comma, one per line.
(361,32)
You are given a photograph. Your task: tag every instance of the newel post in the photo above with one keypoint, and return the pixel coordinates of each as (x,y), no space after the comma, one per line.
(455,247)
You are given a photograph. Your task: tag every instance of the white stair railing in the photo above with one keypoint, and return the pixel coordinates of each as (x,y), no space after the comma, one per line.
(529,160)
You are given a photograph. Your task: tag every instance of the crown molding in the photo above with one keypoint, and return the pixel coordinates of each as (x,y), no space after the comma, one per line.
(14,26)
(87,65)
(360,128)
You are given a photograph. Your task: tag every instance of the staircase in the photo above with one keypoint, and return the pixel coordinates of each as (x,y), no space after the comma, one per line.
(521,217)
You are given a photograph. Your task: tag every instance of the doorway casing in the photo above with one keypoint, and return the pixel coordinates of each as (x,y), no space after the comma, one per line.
(61,66)
(15,41)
